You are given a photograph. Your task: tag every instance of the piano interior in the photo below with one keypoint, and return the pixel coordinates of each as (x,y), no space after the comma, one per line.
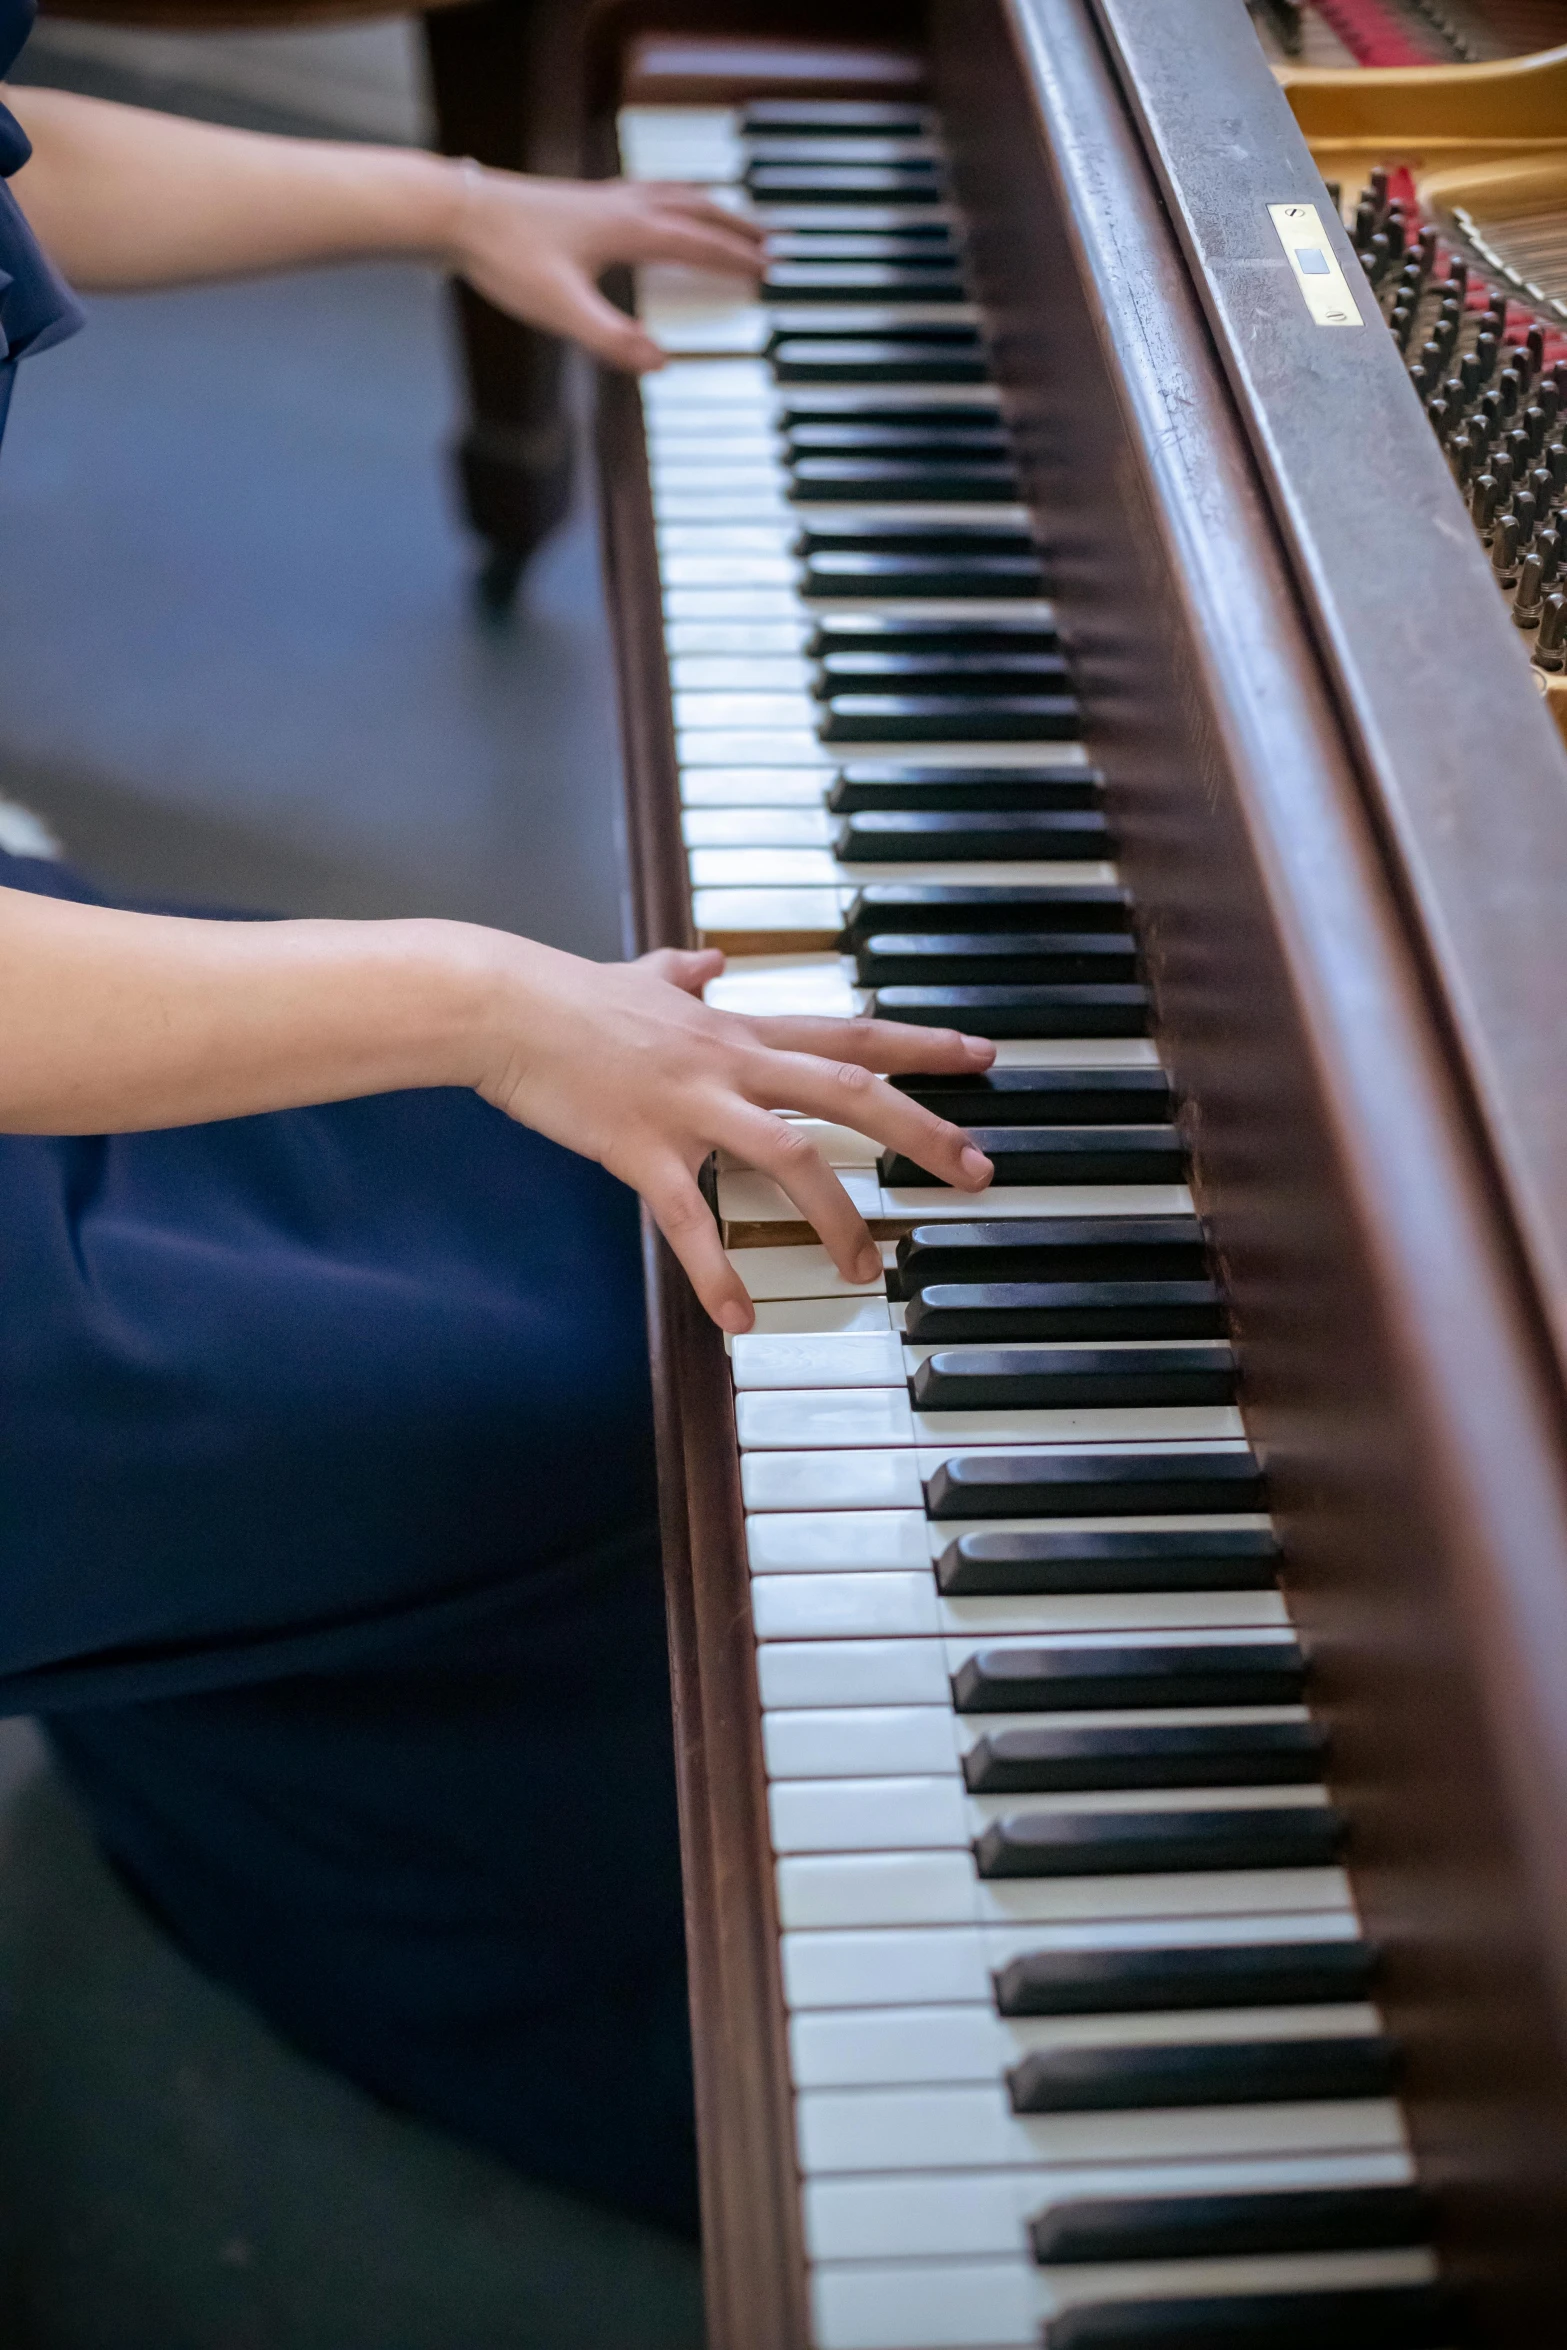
(1120,1657)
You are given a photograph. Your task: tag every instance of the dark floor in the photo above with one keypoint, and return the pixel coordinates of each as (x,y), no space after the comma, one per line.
(239,651)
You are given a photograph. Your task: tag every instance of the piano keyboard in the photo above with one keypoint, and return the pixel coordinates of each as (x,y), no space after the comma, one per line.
(1084,2041)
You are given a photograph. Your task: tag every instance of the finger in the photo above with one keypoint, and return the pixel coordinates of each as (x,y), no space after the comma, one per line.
(592,320)
(689,968)
(846,1093)
(686,1221)
(879,1044)
(791,1158)
(671,236)
(677,196)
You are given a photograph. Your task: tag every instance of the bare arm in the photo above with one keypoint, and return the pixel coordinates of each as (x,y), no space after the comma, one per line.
(121,198)
(119,1021)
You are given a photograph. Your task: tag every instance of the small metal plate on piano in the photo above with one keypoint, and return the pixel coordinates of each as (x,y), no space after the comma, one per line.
(1317,272)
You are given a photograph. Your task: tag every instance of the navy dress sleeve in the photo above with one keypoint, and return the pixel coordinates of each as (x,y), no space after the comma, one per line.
(37,307)
(329,1559)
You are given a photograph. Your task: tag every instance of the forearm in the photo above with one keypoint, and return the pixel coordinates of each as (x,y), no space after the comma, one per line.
(121,197)
(115,1022)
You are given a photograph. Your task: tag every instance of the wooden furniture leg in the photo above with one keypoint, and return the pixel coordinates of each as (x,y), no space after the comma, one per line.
(514,459)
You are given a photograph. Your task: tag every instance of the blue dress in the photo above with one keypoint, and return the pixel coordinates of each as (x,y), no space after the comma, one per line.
(329,1559)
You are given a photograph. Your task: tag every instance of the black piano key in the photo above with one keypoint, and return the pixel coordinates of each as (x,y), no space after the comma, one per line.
(826,329)
(1229,2227)
(924,227)
(882,359)
(1155,1558)
(946,905)
(1062,1484)
(1064,1248)
(937,249)
(1203,1975)
(839,183)
(869,576)
(1200,1754)
(943,671)
(1060,1154)
(970,437)
(891,786)
(1025,958)
(820,118)
(906,534)
(1157,1843)
(1051,1378)
(1219,2072)
(859,281)
(1047,1097)
(857,405)
(927,632)
(978,482)
(1083,1009)
(960,1312)
(1369,2317)
(950,718)
(942,836)
(1132,1675)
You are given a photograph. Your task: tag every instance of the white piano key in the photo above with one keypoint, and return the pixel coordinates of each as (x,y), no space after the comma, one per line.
(885,1480)
(1074,1052)
(1190,1423)
(932,2215)
(739,570)
(942,1889)
(756,1199)
(778,1316)
(730,602)
(762,914)
(756,828)
(693,143)
(818,1361)
(752,787)
(854,1741)
(940,2305)
(840,1146)
(692,327)
(805,1419)
(813,1673)
(753,487)
(716,383)
(882,1606)
(968,2128)
(806,1271)
(819,984)
(739,713)
(915,2046)
(735,672)
(936,1813)
(938,1964)
(834,1542)
(737,637)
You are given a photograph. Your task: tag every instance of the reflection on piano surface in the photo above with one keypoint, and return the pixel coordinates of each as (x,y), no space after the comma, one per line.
(1081,1864)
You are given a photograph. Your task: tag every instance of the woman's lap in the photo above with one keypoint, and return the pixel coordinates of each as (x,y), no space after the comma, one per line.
(331,1560)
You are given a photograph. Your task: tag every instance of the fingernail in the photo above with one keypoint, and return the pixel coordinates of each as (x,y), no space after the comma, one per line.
(980,1048)
(735,1318)
(975,1165)
(867,1265)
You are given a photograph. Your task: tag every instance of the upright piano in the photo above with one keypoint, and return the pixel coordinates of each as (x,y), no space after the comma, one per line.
(1120,1661)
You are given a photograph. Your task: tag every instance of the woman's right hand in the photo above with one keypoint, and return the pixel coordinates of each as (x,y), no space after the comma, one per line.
(624,1063)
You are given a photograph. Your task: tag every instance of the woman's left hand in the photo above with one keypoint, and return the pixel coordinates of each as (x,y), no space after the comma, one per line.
(537,248)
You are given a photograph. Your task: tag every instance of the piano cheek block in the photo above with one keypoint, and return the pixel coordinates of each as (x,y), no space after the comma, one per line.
(1223,2072)
(1112,1844)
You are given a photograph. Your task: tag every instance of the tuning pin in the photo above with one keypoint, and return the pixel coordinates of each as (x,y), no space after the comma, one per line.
(1517,447)
(1510,384)
(1469,370)
(1422,378)
(1530,593)
(1365,224)
(1461,454)
(1400,319)
(1393,223)
(1541,488)
(1377,255)
(1484,498)
(1558,376)
(1533,422)
(1548,653)
(1486,347)
(1548,399)
(1444,331)
(1426,250)
(1457,278)
(1534,346)
(1526,513)
(1504,549)
(1556,460)
(1442,417)
(1492,409)
(1481,430)
(1376,187)
(1548,548)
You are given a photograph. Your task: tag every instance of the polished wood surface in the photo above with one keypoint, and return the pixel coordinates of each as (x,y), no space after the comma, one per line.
(1343,904)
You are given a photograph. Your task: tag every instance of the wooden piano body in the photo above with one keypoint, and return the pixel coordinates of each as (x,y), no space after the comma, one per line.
(1343,812)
